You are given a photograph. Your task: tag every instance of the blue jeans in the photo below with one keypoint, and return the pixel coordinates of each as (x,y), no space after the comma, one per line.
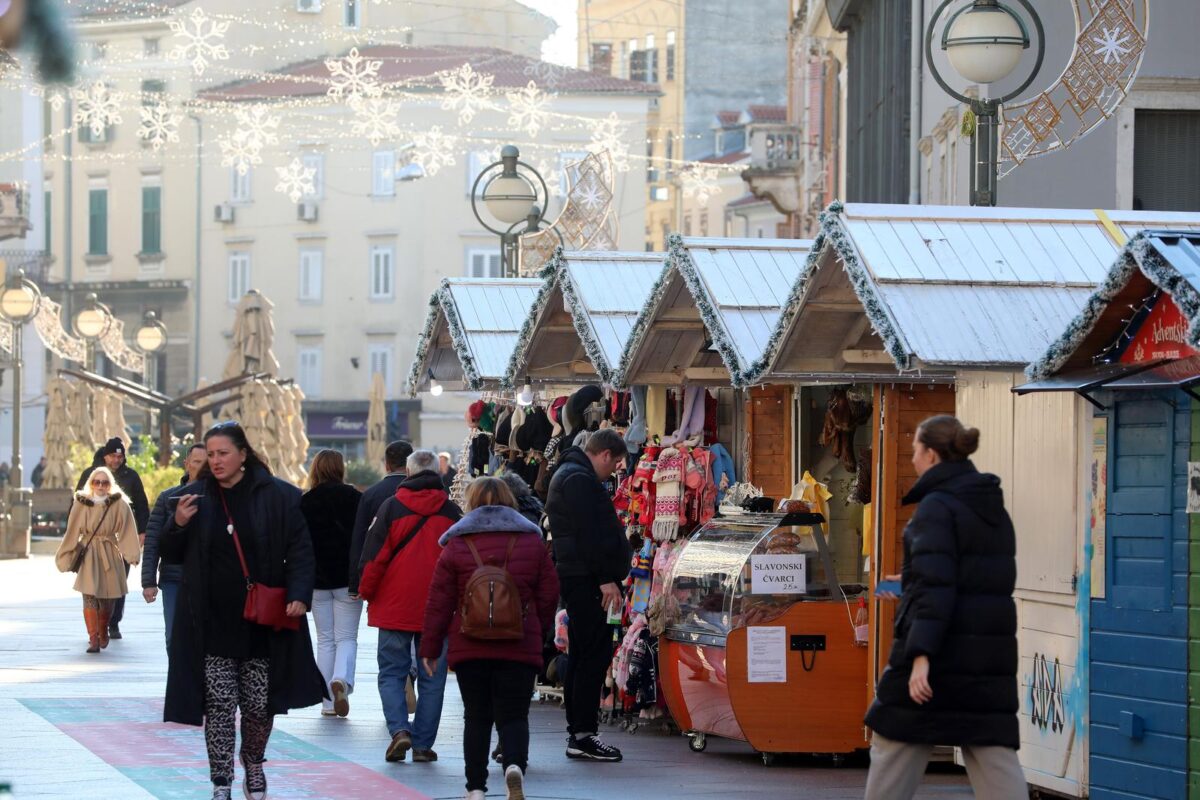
(169,591)
(395,660)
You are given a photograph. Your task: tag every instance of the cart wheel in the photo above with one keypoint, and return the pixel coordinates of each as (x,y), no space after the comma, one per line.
(697,742)
(768,759)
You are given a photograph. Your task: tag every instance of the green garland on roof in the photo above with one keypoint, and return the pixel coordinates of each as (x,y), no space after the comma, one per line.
(682,260)
(583,324)
(620,373)
(423,341)
(519,358)
(443,301)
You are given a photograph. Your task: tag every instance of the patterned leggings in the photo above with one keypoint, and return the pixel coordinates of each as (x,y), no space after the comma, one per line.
(98,603)
(230,684)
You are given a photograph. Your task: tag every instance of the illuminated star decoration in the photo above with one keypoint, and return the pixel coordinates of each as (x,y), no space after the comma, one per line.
(466,92)
(296,180)
(243,148)
(97,108)
(1112,44)
(201,40)
(434,150)
(609,134)
(353,78)
(527,109)
(160,125)
(376,119)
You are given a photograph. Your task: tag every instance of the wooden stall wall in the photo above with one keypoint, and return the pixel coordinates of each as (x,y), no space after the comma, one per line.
(769,440)
(1038,446)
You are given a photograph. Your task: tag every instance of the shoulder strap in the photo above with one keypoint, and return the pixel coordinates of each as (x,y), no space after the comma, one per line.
(237,543)
(96,530)
(413,533)
(474,552)
(512,542)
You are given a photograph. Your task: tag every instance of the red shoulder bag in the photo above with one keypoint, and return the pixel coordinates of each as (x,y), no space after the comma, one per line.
(265,605)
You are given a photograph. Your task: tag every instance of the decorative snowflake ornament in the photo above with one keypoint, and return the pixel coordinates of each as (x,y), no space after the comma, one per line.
(466,92)
(376,119)
(1112,45)
(97,107)
(56,96)
(296,180)
(160,125)
(545,73)
(434,150)
(527,109)
(239,152)
(353,77)
(256,128)
(700,182)
(201,40)
(609,134)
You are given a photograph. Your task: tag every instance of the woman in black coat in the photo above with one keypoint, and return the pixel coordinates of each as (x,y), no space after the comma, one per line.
(330,507)
(220,661)
(951,677)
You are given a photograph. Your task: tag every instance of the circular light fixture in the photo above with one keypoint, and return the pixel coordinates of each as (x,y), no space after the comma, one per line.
(19,300)
(92,321)
(152,336)
(435,389)
(525,398)
(508,198)
(984,41)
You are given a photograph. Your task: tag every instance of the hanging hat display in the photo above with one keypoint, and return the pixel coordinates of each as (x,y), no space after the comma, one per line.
(534,435)
(577,406)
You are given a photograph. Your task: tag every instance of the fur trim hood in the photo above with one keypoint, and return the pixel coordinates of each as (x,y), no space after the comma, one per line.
(88,500)
(490,519)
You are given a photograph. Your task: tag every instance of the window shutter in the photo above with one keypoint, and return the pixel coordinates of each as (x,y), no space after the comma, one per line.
(151,219)
(98,222)
(1166,161)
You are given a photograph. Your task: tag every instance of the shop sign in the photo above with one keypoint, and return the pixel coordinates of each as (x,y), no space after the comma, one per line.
(1161,336)
(328,425)
(784,574)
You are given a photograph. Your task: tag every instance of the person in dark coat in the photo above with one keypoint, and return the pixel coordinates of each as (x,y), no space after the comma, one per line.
(35,480)
(529,506)
(446,469)
(951,677)
(329,508)
(495,678)
(220,662)
(394,458)
(592,555)
(112,455)
(167,577)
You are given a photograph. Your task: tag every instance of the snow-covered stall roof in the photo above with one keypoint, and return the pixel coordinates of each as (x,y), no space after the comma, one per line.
(471,331)
(946,286)
(728,294)
(583,316)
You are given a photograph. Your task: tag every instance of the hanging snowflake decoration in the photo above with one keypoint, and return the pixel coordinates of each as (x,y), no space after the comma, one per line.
(56,96)
(256,128)
(353,78)
(527,109)
(296,180)
(700,182)
(160,125)
(545,73)
(434,150)
(376,119)
(466,92)
(97,107)
(609,134)
(548,167)
(201,40)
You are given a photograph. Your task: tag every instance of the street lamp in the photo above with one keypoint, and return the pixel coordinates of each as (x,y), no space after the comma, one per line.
(90,323)
(152,336)
(511,197)
(19,301)
(983,42)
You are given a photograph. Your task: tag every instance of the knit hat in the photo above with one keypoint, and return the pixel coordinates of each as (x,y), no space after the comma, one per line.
(556,420)
(475,412)
(515,421)
(577,405)
(487,421)
(113,446)
(503,430)
(534,435)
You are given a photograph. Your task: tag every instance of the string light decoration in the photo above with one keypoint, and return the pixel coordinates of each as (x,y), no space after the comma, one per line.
(97,108)
(466,91)
(353,78)
(115,347)
(160,125)
(433,150)
(200,43)
(256,128)
(48,323)
(376,119)
(527,109)
(609,135)
(700,181)
(296,180)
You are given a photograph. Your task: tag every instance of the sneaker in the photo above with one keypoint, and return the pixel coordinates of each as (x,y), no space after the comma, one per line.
(423,755)
(328,712)
(476,794)
(341,698)
(591,748)
(401,744)
(254,785)
(514,782)
(222,793)
(114,631)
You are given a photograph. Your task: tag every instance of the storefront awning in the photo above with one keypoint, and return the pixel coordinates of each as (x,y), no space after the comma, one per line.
(1087,380)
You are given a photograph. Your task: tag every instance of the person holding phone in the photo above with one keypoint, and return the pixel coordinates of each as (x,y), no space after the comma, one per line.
(951,677)
(220,662)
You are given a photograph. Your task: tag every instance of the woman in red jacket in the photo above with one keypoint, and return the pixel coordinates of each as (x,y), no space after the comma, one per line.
(495,676)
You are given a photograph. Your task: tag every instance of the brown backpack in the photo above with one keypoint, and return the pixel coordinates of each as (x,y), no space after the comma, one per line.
(491,603)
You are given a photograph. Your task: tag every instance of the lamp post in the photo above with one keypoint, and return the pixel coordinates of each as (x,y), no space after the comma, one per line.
(19,303)
(984,42)
(90,323)
(511,197)
(151,338)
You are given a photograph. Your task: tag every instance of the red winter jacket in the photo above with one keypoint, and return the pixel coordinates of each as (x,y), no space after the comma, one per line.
(491,528)
(399,603)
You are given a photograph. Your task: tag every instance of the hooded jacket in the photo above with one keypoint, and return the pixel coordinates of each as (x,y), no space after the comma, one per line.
(130,483)
(368,506)
(490,528)
(330,510)
(956,608)
(589,541)
(399,603)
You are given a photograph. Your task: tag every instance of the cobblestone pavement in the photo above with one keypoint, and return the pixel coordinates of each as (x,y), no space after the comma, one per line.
(87,727)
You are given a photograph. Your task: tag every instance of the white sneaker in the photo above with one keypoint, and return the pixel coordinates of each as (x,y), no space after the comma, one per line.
(475,794)
(514,782)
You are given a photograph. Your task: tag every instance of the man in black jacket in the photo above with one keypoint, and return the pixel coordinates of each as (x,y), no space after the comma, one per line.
(112,455)
(592,556)
(394,458)
(167,577)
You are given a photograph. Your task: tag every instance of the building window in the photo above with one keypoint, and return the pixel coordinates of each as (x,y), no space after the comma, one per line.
(670,55)
(239,185)
(98,221)
(149,47)
(670,148)
(48,208)
(624,63)
(602,58)
(350,17)
(383,263)
(311,268)
(484,262)
(638,61)
(315,162)
(477,162)
(308,370)
(1166,165)
(151,219)
(383,173)
(379,360)
(239,276)
(651,59)
(651,170)
(704,222)
(153,92)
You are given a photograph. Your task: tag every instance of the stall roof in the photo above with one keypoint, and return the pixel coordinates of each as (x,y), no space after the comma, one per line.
(585,310)
(729,293)
(470,332)
(948,286)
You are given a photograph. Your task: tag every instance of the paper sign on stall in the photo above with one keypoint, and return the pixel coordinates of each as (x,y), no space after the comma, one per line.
(784,574)
(766,654)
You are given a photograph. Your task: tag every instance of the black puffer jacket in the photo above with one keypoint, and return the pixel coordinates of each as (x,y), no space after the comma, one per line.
(589,540)
(330,510)
(957,608)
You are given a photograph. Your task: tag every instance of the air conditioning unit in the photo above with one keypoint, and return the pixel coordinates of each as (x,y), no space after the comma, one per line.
(306,211)
(308,6)
(223,213)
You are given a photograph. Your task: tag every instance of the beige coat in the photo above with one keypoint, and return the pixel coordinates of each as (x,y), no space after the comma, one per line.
(102,573)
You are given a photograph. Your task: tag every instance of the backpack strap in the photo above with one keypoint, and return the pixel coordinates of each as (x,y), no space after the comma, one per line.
(512,542)
(474,552)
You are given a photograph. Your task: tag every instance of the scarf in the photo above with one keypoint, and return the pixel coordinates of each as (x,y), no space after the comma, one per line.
(668,499)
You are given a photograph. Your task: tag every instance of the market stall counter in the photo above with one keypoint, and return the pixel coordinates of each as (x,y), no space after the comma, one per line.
(760,647)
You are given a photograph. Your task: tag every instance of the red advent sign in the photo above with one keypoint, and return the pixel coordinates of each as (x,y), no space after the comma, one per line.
(1162,335)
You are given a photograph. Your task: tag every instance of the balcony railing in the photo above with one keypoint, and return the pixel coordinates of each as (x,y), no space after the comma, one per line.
(14,211)
(775,146)
(36,264)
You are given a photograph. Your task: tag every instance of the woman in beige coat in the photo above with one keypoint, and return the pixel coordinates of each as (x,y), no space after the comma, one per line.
(101,522)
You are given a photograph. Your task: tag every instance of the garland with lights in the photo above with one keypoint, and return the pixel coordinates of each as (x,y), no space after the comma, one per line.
(441,302)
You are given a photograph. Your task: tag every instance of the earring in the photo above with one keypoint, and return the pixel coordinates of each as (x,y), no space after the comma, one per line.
(242,468)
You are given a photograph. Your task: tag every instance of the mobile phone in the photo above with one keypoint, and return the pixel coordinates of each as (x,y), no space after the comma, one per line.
(892,587)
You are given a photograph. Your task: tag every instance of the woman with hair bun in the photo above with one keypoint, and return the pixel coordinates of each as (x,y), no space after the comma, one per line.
(951,677)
